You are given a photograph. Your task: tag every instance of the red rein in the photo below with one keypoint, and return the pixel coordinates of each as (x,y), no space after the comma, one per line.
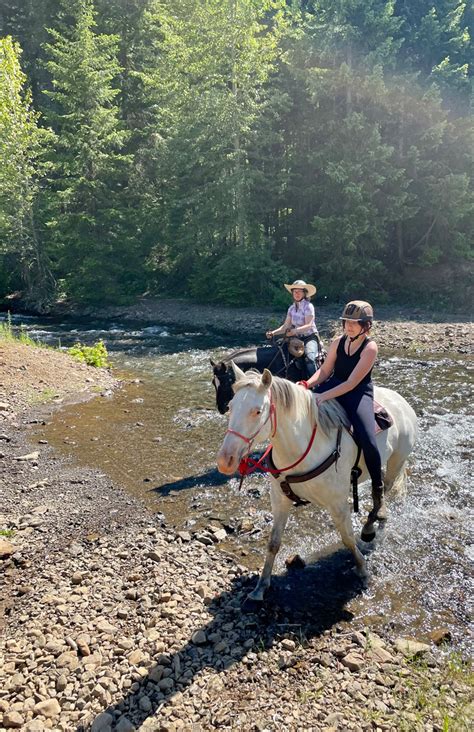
(248,465)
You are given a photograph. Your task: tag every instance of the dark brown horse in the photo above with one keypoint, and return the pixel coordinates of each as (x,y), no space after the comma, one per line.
(276,358)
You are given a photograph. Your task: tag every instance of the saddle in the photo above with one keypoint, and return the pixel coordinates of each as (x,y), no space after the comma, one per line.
(296,347)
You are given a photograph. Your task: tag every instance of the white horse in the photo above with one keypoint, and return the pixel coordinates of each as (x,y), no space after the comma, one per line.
(267,407)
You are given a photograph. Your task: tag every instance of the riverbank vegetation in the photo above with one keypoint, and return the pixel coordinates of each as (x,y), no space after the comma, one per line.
(215,148)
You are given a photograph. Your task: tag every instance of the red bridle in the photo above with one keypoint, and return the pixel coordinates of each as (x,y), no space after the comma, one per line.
(273,422)
(248,465)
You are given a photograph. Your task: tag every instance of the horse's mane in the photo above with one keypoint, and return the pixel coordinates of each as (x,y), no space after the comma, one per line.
(332,415)
(240,352)
(298,402)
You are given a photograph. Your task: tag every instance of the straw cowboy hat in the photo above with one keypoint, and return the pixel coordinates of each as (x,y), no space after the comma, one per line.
(302,285)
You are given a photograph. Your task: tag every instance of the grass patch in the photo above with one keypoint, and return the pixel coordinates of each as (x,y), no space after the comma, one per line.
(9,333)
(43,396)
(444,696)
(7,533)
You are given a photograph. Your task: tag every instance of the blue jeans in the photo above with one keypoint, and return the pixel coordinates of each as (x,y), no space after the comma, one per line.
(311,351)
(359,405)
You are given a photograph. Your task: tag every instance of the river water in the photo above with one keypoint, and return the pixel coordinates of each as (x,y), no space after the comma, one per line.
(158,436)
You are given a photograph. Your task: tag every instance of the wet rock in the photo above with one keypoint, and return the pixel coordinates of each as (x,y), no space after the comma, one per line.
(440,635)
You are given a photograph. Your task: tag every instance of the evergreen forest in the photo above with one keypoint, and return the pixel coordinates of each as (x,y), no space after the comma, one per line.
(214,149)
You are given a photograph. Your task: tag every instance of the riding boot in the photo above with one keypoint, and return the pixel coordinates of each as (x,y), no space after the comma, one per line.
(378,513)
(378,510)
(310,367)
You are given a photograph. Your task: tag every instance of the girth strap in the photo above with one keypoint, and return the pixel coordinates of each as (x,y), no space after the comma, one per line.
(285,485)
(356,472)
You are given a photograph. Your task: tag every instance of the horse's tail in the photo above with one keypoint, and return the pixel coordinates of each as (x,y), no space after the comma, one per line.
(397,484)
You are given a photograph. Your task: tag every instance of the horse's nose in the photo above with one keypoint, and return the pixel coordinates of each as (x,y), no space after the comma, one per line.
(226,462)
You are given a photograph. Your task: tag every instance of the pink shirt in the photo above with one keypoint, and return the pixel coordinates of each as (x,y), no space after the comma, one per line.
(299,316)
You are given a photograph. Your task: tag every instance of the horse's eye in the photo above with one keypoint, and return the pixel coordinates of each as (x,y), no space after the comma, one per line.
(257,412)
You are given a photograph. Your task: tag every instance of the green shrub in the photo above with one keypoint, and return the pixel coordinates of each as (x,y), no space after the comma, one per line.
(95,355)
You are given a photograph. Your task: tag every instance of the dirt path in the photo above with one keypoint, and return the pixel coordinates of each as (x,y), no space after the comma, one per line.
(112,621)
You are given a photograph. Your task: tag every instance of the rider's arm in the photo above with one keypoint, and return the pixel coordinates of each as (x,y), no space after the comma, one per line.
(327,368)
(282,329)
(367,360)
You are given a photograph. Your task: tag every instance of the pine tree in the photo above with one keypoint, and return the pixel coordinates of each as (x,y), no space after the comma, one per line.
(27,22)
(23,145)
(208,85)
(91,217)
(436,42)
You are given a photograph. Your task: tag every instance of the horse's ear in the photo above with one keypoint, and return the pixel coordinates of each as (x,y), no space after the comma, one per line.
(239,374)
(266,379)
(213,363)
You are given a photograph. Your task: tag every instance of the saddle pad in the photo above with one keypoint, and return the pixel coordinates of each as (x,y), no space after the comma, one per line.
(383,420)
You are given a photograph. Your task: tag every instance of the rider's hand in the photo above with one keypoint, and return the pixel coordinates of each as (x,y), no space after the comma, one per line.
(302,383)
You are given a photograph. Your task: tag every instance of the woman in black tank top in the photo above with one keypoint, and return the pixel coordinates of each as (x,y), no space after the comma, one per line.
(346,375)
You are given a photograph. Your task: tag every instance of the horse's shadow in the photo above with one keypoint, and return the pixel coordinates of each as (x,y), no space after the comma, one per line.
(211,478)
(301,604)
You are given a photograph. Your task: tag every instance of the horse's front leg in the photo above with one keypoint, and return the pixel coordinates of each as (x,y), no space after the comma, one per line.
(280,508)
(342,519)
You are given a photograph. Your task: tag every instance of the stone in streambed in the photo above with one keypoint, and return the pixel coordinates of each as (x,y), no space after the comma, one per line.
(411,648)
(48,708)
(6,549)
(13,720)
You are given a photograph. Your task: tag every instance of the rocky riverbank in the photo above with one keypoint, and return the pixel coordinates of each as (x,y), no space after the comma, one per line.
(396,327)
(112,621)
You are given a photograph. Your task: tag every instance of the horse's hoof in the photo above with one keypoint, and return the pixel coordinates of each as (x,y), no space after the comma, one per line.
(251,606)
(255,596)
(367,536)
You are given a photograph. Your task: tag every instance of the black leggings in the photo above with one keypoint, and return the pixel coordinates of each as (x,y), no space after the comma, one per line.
(359,405)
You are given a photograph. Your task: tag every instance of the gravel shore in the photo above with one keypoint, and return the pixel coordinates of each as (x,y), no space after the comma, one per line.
(112,621)
(396,326)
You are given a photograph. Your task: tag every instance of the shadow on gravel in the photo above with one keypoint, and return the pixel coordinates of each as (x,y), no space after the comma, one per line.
(302,604)
(211,477)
